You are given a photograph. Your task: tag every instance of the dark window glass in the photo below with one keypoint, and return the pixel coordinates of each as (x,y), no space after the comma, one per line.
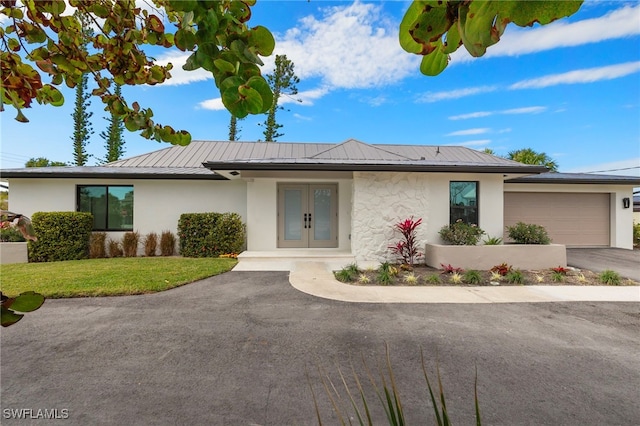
(111,206)
(463,201)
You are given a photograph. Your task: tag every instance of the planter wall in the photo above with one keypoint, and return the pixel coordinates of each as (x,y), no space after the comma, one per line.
(13,253)
(520,256)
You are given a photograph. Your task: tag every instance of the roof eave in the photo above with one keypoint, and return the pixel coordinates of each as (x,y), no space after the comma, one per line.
(381,167)
(127,176)
(632,181)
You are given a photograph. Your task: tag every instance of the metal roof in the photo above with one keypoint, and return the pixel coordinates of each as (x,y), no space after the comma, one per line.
(112,173)
(199,158)
(586,178)
(354,155)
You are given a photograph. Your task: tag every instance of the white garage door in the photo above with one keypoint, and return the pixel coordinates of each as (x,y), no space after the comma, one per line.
(573,219)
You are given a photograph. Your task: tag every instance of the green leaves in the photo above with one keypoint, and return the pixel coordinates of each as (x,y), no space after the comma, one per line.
(216,32)
(28,301)
(436,29)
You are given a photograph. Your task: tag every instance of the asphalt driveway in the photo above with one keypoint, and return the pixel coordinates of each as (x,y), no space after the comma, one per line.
(625,262)
(233,350)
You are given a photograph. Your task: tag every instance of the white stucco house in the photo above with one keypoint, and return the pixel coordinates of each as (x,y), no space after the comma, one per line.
(342,197)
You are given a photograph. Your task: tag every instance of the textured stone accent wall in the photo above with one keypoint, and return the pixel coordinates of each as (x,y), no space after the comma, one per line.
(380,200)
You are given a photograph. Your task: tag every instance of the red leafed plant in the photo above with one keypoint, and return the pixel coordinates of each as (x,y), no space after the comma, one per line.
(502,269)
(406,249)
(560,270)
(448,269)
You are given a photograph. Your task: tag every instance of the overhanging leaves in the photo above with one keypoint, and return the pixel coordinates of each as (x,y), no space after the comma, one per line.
(442,26)
(216,32)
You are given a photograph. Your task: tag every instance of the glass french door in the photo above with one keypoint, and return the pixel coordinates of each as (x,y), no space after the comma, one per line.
(307,215)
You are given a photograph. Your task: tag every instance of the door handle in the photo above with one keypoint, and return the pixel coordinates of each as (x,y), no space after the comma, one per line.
(305,221)
(309,220)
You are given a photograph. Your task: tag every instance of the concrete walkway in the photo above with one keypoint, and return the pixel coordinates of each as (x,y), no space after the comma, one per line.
(316,278)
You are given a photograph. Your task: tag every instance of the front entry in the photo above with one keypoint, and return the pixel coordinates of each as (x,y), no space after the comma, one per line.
(307,215)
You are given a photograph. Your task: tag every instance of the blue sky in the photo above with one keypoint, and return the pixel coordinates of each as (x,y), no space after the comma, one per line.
(570,89)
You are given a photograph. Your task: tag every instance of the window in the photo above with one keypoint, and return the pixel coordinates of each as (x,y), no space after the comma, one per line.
(463,202)
(111,206)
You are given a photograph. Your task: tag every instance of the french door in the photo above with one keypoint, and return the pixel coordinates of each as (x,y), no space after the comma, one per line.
(307,215)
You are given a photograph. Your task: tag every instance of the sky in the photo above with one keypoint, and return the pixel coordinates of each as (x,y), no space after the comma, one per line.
(570,89)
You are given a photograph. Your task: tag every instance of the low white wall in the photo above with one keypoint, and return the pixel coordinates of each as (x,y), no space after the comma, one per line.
(13,253)
(520,256)
(621,227)
(380,200)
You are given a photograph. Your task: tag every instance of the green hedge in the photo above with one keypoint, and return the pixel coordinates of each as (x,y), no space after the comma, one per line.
(210,234)
(61,236)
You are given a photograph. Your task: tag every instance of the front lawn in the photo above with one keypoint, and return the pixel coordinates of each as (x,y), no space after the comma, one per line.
(108,277)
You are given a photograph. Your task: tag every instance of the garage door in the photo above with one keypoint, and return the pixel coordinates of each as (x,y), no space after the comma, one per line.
(573,219)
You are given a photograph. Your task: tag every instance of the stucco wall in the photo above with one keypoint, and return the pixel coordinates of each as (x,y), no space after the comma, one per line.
(157,204)
(381,200)
(621,227)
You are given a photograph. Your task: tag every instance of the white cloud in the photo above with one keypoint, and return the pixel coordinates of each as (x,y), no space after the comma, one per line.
(468,132)
(455,94)
(353,46)
(306,97)
(525,110)
(471,115)
(516,41)
(178,75)
(589,75)
(302,117)
(212,104)
(480,114)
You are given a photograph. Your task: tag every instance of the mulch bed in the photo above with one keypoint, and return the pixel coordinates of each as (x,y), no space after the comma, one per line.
(422,276)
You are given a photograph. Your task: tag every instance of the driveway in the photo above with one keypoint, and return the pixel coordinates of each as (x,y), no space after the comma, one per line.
(625,262)
(234,350)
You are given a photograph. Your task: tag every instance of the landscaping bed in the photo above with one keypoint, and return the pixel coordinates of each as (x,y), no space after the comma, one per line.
(397,275)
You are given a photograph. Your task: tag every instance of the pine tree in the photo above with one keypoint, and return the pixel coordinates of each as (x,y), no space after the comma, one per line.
(283,81)
(234,130)
(113,136)
(82,129)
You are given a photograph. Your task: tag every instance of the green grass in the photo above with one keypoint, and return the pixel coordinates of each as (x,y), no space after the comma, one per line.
(108,277)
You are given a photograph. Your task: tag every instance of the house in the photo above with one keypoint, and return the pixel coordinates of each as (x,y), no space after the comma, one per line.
(344,197)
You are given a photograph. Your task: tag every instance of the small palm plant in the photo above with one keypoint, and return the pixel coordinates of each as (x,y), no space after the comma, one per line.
(387,393)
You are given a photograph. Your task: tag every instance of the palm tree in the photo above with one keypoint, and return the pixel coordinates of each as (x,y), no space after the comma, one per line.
(529,156)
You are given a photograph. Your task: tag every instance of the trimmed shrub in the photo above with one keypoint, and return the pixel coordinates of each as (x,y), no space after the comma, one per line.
(210,234)
(636,234)
(61,236)
(528,233)
(167,243)
(229,234)
(461,234)
(97,242)
(115,249)
(130,244)
(150,244)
